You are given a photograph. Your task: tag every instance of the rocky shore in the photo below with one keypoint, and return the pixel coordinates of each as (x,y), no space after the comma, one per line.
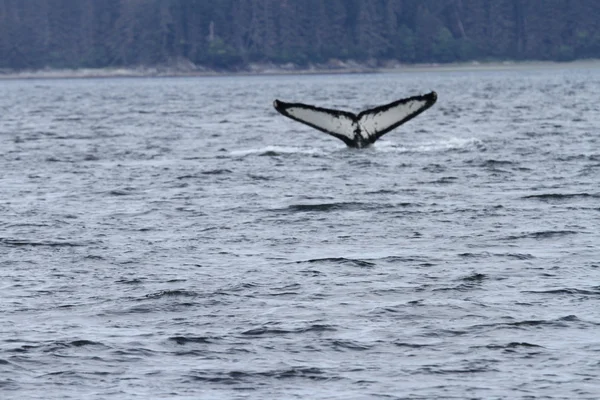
(186,68)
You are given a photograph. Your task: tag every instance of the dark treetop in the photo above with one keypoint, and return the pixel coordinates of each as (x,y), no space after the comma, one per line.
(230,34)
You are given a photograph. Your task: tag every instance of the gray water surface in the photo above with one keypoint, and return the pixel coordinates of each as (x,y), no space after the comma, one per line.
(177,238)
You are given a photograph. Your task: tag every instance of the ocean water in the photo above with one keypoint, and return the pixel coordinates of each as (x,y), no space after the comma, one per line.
(176,238)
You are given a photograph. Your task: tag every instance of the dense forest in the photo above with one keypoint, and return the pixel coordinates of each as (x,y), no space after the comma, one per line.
(230,34)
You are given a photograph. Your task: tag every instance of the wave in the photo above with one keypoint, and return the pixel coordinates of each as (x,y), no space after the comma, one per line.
(469,282)
(275,151)
(569,291)
(403,259)
(412,345)
(542,235)
(491,163)
(41,243)
(519,256)
(182,340)
(122,192)
(548,197)
(262,331)
(442,145)
(338,344)
(341,206)
(233,377)
(510,346)
(340,261)
(54,346)
(451,144)
(325,207)
(171,293)
(562,322)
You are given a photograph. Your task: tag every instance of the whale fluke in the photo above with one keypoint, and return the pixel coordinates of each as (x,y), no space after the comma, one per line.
(359,130)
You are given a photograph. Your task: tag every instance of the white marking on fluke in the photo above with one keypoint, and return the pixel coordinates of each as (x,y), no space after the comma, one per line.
(359,130)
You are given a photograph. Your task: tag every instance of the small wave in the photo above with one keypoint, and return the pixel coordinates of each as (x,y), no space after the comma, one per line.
(568,291)
(84,342)
(465,287)
(68,373)
(451,144)
(190,339)
(491,163)
(434,168)
(532,323)
(512,345)
(266,331)
(134,353)
(548,197)
(240,287)
(311,373)
(340,261)
(288,290)
(219,171)
(26,224)
(485,254)
(402,259)
(43,243)
(475,277)
(133,281)
(414,261)
(519,256)
(58,345)
(234,377)
(348,345)
(343,206)
(469,282)
(363,164)
(542,235)
(411,345)
(325,207)
(170,293)
(275,151)
(255,177)
(383,191)
(276,331)
(189,176)
(121,192)
(435,369)
(589,170)
(445,180)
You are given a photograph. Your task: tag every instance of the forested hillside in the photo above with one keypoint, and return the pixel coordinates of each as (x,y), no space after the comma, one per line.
(233,33)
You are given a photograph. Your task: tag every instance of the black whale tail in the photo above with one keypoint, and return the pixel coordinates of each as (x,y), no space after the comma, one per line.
(358,130)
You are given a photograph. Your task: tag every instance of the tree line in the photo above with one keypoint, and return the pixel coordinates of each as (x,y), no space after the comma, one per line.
(230,34)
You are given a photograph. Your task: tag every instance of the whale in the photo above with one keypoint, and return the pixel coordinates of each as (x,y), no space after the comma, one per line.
(362,129)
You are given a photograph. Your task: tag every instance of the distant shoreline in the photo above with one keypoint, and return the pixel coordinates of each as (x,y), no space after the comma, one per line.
(272,69)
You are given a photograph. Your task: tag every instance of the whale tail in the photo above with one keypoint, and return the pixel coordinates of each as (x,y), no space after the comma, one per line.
(358,130)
